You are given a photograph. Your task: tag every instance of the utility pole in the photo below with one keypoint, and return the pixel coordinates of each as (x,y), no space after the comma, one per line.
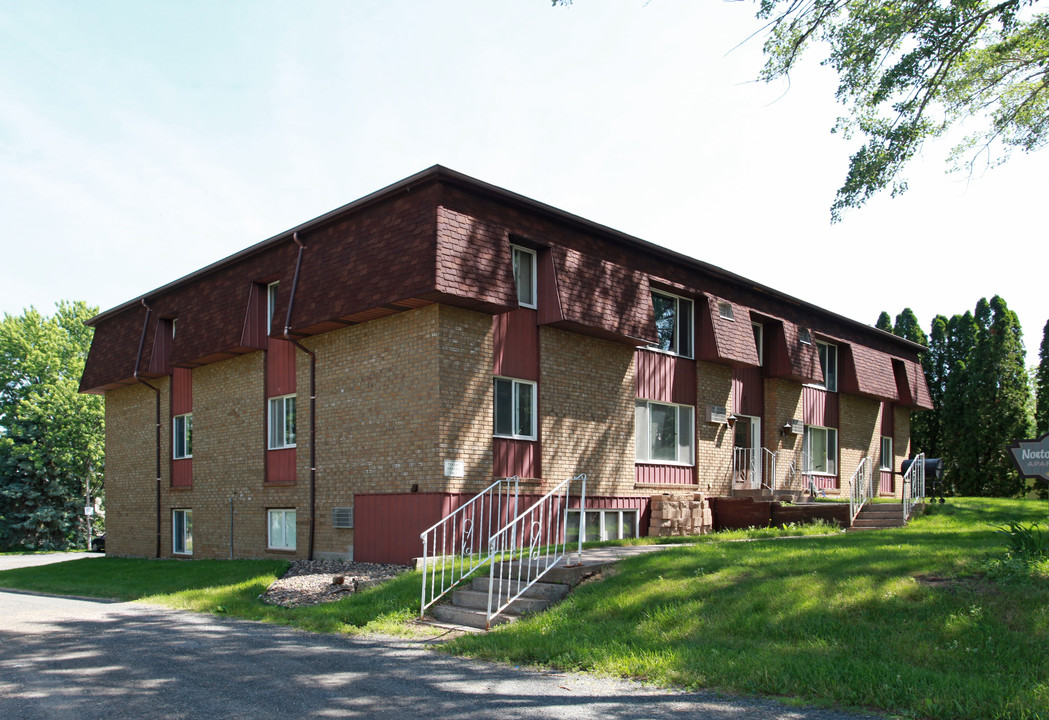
(89,509)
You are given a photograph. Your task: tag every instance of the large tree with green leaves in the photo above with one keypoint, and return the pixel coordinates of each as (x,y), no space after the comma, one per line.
(909,70)
(1041,385)
(49,433)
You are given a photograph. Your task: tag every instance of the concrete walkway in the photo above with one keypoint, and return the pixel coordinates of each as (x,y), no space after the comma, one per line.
(11,562)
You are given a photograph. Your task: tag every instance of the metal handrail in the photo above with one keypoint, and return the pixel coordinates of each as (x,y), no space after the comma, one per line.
(859,488)
(768,476)
(914,485)
(764,460)
(455,547)
(537,539)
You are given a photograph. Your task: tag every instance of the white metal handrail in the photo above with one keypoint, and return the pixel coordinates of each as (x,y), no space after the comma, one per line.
(457,545)
(860,488)
(746,463)
(914,485)
(531,544)
(768,475)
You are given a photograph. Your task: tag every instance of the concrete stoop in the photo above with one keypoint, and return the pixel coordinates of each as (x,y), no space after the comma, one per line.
(469,605)
(879,517)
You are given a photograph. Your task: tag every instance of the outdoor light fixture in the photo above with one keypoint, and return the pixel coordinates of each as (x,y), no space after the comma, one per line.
(786,429)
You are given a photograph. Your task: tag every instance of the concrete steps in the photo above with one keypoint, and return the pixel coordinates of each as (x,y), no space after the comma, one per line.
(879,516)
(469,605)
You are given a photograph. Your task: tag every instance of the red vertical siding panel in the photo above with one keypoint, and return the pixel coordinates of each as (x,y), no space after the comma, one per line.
(515,457)
(814,406)
(181,391)
(516,344)
(280,367)
(280,465)
(182,473)
(830,413)
(253,333)
(665,378)
(887,484)
(888,420)
(748,391)
(549,299)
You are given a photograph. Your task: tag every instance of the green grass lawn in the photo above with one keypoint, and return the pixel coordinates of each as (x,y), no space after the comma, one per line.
(229,587)
(920,621)
(925,621)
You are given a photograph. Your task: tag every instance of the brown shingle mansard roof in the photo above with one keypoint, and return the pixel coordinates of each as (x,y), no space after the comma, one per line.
(441,236)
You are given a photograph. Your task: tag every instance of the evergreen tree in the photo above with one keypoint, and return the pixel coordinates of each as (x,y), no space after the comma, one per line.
(907,326)
(999,399)
(1041,385)
(49,433)
(959,422)
(884,322)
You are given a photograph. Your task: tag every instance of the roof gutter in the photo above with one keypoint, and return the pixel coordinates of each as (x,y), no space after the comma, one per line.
(313,392)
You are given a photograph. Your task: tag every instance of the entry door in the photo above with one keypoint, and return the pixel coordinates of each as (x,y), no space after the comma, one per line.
(747,444)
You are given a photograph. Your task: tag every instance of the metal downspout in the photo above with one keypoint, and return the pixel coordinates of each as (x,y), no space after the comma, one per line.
(313,393)
(138,361)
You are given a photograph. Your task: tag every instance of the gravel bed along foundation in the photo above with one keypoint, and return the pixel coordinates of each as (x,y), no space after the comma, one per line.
(310,582)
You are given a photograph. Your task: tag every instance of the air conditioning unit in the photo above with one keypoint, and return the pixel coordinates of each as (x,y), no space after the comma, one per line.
(797,427)
(717,414)
(342,517)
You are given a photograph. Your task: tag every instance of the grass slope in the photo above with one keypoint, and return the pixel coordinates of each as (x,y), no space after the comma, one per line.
(905,621)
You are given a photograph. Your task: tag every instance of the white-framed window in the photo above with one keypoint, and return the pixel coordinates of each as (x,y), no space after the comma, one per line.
(602,525)
(804,336)
(664,433)
(829,363)
(271,305)
(182,532)
(673,323)
(282,422)
(182,443)
(725,311)
(515,408)
(821,450)
(281,533)
(759,341)
(885,459)
(524,276)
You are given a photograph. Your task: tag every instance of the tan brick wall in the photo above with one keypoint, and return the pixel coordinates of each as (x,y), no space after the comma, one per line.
(783,403)
(586,409)
(859,436)
(713,441)
(465,404)
(130,473)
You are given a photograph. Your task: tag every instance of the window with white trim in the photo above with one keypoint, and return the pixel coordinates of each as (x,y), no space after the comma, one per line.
(524,276)
(725,311)
(602,525)
(759,341)
(182,443)
(821,450)
(664,433)
(829,362)
(804,336)
(885,459)
(281,534)
(673,323)
(282,422)
(182,532)
(271,305)
(515,408)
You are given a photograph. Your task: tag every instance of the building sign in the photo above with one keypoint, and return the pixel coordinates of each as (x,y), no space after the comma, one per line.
(454,468)
(1032,457)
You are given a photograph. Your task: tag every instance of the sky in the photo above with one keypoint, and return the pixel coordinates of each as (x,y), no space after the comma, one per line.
(140,141)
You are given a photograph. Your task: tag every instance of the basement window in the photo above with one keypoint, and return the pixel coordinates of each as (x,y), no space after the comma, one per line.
(182,532)
(602,525)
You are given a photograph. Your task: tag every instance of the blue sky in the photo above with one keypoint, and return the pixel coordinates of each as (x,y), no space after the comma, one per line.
(140,141)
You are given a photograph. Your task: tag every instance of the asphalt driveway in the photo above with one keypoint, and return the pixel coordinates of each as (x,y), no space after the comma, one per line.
(10,562)
(65,658)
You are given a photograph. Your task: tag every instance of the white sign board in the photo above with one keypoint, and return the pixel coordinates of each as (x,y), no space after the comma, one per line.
(454,468)
(89,510)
